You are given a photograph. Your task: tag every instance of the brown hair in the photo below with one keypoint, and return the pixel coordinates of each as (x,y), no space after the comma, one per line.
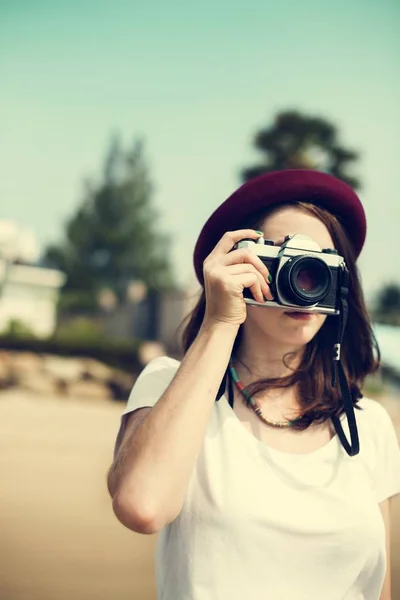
(360,355)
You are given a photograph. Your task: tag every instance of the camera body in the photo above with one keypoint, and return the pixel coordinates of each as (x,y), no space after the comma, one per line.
(305,277)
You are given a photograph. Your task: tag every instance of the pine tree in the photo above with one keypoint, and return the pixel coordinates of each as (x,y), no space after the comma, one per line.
(114,237)
(298,141)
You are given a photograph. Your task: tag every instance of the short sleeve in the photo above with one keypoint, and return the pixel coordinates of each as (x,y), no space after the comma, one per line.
(387,481)
(148,388)
(151,383)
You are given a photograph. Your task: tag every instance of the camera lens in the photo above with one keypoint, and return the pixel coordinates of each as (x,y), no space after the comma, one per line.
(305,280)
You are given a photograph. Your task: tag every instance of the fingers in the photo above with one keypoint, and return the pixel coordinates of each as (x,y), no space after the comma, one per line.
(242,268)
(251,263)
(244,255)
(251,281)
(229,239)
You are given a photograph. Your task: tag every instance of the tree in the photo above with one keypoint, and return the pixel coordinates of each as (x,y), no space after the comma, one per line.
(114,237)
(387,306)
(298,141)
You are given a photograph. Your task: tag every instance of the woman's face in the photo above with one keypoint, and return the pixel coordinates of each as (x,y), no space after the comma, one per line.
(277,323)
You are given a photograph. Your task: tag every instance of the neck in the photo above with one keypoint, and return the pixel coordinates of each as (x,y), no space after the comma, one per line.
(261,357)
(264,358)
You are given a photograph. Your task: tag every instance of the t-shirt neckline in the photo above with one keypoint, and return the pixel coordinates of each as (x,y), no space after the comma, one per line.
(324,450)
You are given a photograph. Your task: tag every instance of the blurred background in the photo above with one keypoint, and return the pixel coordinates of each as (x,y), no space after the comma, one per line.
(123,126)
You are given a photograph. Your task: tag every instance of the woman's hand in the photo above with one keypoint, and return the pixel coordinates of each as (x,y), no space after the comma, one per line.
(227,273)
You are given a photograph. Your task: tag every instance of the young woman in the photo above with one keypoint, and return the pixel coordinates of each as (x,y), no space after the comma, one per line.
(249,482)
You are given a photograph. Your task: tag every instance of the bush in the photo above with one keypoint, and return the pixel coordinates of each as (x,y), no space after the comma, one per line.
(80,329)
(18,329)
(76,302)
(116,353)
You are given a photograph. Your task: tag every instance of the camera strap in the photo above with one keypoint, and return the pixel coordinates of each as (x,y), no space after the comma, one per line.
(338,372)
(222,387)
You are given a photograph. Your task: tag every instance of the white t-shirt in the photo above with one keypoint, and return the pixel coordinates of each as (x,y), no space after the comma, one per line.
(261,524)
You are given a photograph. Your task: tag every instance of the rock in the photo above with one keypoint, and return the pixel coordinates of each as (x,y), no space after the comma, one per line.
(63,368)
(16,365)
(120,385)
(38,383)
(6,379)
(26,362)
(94,369)
(89,389)
(68,376)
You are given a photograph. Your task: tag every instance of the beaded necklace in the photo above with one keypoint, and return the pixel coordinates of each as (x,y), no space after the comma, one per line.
(251,402)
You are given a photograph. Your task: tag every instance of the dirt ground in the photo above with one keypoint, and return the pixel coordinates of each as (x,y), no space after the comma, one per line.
(58,537)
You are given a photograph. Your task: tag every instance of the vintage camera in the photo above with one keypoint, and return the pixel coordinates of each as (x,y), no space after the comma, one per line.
(304,277)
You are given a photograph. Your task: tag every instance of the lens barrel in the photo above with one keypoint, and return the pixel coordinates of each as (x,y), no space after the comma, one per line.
(304,280)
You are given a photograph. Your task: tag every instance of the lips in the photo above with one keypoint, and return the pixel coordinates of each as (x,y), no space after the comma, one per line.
(300,316)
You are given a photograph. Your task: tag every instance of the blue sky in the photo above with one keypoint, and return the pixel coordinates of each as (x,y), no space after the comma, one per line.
(196,80)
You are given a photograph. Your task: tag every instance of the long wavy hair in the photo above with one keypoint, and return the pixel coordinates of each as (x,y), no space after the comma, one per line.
(360,355)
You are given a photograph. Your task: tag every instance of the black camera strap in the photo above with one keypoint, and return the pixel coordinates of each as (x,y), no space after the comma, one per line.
(222,387)
(338,373)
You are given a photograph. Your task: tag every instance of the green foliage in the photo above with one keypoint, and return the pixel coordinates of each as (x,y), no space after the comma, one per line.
(83,336)
(18,329)
(122,354)
(80,329)
(81,301)
(113,238)
(387,305)
(298,141)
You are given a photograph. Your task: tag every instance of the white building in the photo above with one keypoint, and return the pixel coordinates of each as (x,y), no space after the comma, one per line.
(28,293)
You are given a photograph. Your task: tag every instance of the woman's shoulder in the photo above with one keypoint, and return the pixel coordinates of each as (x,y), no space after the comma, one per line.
(160,366)
(161,363)
(373,414)
(379,444)
(371,408)
(152,381)
(165,360)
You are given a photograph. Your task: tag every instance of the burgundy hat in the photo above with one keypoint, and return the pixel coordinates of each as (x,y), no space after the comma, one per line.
(279,187)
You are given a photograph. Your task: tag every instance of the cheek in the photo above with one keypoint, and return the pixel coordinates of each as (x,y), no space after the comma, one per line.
(314,327)
(270,319)
(320,320)
(264,317)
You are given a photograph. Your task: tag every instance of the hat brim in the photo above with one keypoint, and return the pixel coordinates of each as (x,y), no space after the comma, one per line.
(280,187)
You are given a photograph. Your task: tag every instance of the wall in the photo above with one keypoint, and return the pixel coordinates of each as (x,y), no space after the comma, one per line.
(29,294)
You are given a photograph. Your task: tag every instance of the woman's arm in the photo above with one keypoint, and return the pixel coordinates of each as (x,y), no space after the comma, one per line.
(153,465)
(152,468)
(387,588)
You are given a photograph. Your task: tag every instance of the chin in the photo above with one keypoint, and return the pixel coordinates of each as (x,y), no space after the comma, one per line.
(299,338)
(277,324)
(303,323)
